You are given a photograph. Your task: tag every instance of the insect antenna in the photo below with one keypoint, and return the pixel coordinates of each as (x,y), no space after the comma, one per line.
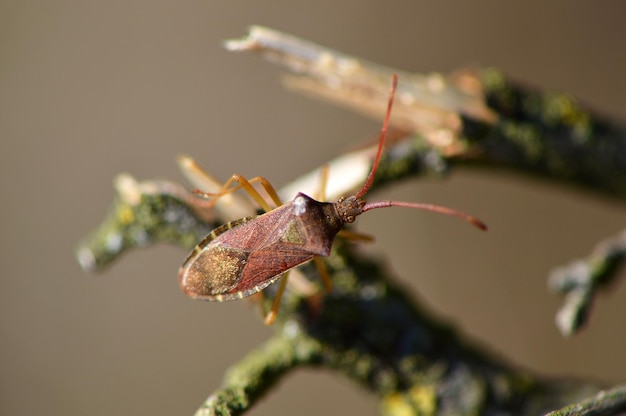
(385,204)
(428,207)
(381,141)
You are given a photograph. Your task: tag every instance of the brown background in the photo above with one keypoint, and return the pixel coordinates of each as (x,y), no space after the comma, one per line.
(92,88)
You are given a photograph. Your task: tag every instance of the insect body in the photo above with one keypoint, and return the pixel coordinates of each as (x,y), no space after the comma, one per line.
(243,257)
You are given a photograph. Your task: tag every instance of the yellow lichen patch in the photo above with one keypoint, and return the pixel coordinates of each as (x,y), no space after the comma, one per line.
(424,398)
(395,404)
(126,215)
(421,400)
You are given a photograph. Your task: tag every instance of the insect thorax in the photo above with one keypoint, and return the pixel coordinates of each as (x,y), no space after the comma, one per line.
(318,222)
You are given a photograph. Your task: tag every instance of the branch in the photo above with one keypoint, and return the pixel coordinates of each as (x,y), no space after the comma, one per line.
(583,279)
(610,402)
(256,374)
(475,118)
(144,214)
(367,328)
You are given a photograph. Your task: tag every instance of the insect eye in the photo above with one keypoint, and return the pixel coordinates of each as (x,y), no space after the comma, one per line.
(350,219)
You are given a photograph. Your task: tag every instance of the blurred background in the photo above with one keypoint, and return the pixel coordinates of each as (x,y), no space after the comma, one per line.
(89,89)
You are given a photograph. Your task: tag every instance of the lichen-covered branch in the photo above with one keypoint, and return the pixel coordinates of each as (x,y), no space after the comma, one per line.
(549,135)
(257,373)
(367,328)
(609,402)
(474,118)
(144,213)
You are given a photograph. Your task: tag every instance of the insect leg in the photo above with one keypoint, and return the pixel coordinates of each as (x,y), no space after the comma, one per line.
(271,315)
(321,269)
(242,182)
(269,188)
(196,175)
(353,235)
(321,192)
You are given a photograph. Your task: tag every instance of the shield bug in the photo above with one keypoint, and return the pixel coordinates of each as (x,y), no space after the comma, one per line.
(245,256)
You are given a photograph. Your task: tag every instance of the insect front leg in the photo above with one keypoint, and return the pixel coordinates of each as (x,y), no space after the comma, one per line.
(353,235)
(321,192)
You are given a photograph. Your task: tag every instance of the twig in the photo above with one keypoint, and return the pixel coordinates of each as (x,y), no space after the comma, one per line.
(583,279)
(604,403)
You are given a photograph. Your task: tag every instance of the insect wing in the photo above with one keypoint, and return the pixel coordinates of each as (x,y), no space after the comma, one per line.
(258,252)
(243,257)
(211,269)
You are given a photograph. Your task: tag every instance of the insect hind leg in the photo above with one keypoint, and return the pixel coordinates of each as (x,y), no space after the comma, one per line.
(236,182)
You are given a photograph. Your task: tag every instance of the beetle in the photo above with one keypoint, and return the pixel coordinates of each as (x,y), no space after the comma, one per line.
(243,257)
